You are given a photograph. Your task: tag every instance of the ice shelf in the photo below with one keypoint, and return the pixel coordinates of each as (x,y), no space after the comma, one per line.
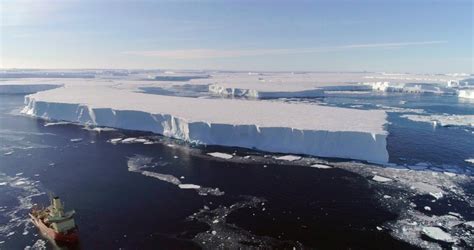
(19,88)
(269,126)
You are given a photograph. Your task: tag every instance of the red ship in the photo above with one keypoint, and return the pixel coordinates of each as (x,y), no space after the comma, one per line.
(54,223)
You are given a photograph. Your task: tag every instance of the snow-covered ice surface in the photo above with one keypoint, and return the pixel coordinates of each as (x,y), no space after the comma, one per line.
(331,131)
(25,88)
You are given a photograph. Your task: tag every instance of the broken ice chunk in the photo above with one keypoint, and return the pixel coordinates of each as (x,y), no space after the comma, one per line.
(437,233)
(288,158)
(189,186)
(379,178)
(321,166)
(221,155)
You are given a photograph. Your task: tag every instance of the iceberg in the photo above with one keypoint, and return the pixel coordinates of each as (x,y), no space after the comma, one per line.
(267,126)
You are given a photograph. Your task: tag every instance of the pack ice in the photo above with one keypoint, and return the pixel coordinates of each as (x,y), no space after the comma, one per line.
(268,126)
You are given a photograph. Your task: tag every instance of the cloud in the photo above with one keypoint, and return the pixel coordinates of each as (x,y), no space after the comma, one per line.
(224,53)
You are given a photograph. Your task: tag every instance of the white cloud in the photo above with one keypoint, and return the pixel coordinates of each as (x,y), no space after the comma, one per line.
(223,53)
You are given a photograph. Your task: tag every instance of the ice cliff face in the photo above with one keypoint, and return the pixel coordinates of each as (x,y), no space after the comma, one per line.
(26,88)
(362,145)
(253,93)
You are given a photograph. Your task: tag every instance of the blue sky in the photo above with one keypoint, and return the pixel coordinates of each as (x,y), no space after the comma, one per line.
(409,36)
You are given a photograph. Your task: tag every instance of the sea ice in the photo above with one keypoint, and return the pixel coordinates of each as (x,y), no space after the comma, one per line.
(76,140)
(443,120)
(470,160)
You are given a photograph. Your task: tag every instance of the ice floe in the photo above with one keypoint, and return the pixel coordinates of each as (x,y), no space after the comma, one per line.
(139,163)
(470,160)
(321,166)
(288,158)
(412,184)
(48,124)
(437,233)
(189,186)
(221,155)
(378,178)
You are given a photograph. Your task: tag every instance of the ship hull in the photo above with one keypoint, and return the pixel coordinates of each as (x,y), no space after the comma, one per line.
(68,237)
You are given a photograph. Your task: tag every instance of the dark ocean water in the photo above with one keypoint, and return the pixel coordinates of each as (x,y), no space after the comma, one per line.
(275,205)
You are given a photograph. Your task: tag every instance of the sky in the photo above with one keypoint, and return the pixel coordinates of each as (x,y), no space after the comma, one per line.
(378,35)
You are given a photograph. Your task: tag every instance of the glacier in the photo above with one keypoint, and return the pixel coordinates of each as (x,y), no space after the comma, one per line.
(274,127)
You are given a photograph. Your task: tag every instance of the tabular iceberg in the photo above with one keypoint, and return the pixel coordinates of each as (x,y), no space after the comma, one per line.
(268,126)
